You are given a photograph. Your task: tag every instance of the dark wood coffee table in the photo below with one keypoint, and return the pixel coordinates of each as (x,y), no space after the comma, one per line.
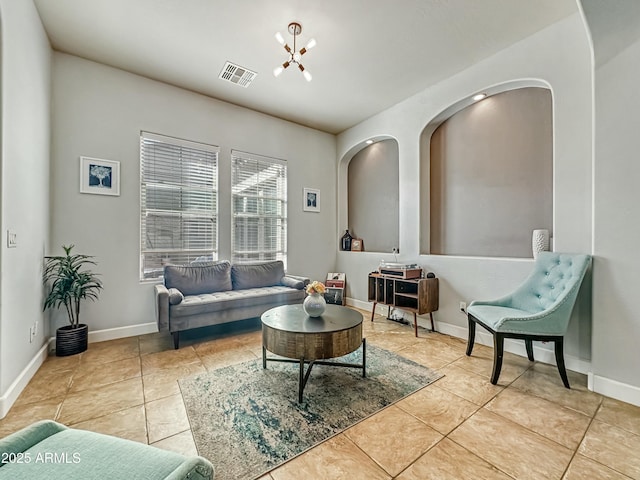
(289,332)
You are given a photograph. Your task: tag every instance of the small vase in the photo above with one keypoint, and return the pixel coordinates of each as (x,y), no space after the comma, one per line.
(314,305)
(539,242)
(345,243)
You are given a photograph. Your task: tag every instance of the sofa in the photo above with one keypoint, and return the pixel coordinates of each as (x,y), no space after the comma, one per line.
(48,449)
(211,293)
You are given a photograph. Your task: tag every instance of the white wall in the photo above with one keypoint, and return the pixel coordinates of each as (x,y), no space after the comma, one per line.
(26,59)
(558,56)
(616,328)
(99,111)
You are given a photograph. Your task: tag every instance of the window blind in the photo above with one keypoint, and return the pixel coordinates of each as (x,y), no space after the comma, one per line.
(179,203)
(259,198)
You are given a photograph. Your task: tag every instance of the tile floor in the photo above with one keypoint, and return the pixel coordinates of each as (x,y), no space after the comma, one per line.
(526,427)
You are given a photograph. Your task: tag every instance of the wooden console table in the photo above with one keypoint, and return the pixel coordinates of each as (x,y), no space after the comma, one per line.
(419,295)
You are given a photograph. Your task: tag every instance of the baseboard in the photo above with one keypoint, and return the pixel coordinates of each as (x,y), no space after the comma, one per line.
(122,332)
(15,389)
(614,389)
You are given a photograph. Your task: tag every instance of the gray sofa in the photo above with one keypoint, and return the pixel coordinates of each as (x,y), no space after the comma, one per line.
(204,294)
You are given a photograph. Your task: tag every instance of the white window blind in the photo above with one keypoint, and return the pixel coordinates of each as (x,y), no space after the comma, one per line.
(179,203)
(259,197)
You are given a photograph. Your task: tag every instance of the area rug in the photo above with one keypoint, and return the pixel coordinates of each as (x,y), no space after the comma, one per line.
(247,420)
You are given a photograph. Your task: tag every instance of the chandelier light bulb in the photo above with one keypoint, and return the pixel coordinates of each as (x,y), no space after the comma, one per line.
(277,71)
(312,43)
(307,75)
(279,38)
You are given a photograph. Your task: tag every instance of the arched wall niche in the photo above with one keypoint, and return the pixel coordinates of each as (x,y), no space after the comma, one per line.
(460,241)
(368,199)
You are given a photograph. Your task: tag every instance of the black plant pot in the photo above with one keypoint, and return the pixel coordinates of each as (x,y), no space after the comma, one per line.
(70,341)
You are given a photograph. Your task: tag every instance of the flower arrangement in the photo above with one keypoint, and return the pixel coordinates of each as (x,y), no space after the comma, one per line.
(315,287)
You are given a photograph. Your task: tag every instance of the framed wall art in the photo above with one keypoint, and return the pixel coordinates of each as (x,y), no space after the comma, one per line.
(357,245)
(101,177)
(311,199)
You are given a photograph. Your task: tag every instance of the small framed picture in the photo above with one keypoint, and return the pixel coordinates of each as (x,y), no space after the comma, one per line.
(101,177)
(311,199)
(357,245)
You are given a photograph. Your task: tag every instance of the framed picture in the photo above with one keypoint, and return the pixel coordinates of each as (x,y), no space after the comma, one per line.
(98,176)
(357,245)
(311,199)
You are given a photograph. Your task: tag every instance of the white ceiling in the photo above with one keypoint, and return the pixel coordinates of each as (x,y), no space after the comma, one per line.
(371,54)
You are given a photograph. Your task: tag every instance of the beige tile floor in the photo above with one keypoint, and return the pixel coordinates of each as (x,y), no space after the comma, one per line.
(527,427)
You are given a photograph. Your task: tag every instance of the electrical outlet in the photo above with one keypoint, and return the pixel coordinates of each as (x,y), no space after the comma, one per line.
(395,250)
(463,307)
(30,334)
(35,328)
(12,239)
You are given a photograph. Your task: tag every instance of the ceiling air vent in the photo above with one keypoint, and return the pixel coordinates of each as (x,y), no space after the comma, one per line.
(237,74)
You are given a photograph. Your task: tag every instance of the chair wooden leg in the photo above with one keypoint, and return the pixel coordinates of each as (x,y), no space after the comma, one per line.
(498,352)
(529,345)
(472,335)
(560,361)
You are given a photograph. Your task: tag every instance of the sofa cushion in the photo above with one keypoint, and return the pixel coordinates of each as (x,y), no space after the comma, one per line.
(254,275)
(215,302)
(197,279)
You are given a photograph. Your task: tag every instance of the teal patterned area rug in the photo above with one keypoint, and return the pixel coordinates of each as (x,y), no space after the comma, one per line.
(247,420)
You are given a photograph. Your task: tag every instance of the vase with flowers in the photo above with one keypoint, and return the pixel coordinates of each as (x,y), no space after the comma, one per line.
(315,303)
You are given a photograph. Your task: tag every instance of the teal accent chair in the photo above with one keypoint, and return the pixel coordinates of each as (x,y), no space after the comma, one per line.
(539,309)
(48,449)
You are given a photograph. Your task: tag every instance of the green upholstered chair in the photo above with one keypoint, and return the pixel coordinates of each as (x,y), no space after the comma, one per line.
(47,449)
(539,309)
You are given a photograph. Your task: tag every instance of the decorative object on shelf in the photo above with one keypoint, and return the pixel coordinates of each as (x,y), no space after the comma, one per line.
(311,199)
(294,29)
(98,176)
(540,242)
(345,241)
(357,245)
(70,283)
(315,303)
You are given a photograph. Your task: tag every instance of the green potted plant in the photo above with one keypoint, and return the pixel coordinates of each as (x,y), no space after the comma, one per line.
(70,283)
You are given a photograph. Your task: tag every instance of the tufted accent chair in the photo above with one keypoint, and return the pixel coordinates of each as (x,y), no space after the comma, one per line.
(539,309)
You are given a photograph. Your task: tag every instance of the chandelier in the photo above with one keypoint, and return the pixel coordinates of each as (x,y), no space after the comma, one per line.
(294,56)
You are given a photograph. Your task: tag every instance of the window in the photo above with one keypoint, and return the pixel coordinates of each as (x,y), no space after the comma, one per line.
(179,203)
(259,191)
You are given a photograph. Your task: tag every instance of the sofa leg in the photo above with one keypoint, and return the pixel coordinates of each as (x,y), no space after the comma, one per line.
(176,339)
(472,336)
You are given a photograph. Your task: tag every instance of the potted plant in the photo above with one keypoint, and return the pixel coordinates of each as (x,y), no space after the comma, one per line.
(70,283)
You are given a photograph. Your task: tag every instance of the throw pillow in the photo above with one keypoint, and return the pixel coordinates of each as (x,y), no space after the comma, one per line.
(175,296)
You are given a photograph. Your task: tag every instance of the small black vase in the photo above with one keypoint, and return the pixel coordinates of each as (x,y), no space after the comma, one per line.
(70,341)
(346,241)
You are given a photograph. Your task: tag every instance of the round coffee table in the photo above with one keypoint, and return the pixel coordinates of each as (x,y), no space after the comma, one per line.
(289,332)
